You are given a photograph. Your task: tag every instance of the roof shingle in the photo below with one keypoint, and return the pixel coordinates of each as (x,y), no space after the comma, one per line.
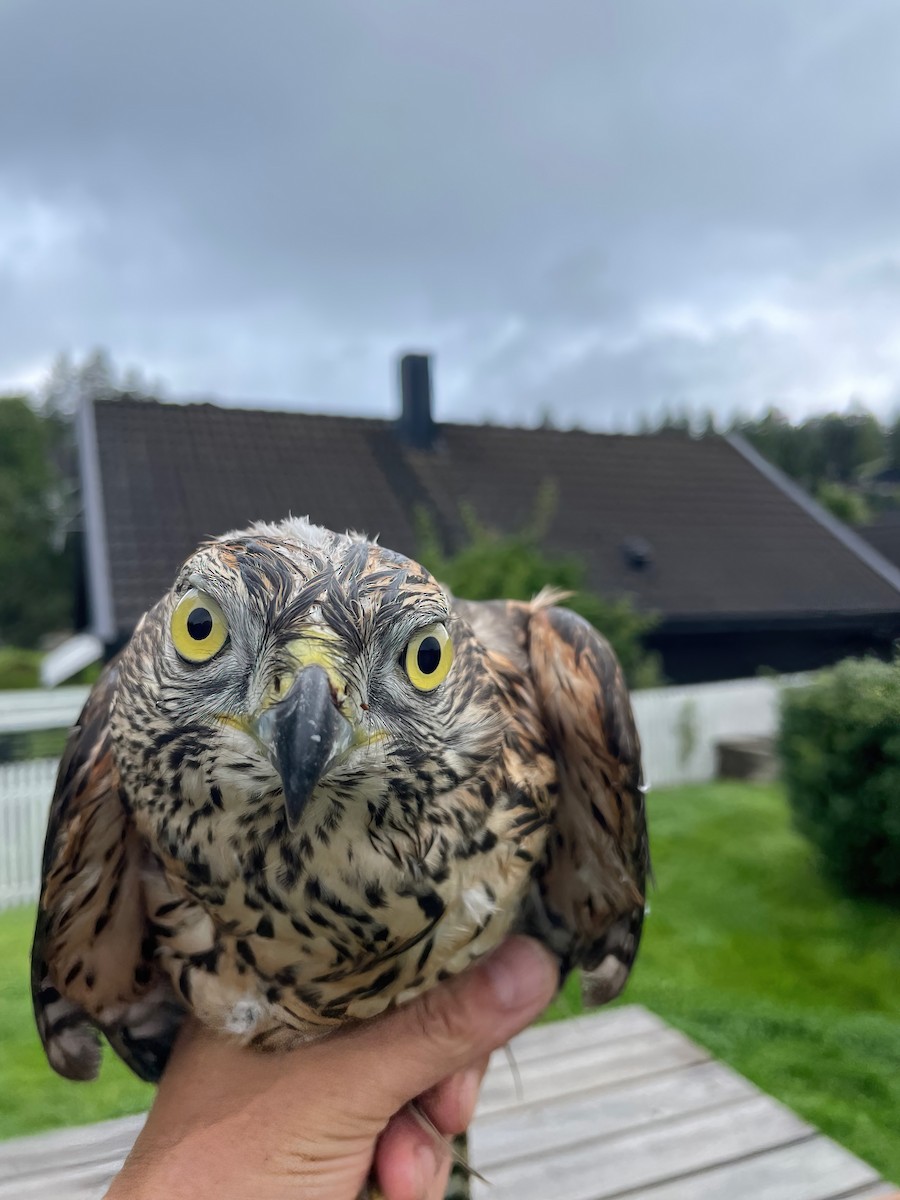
(723,539)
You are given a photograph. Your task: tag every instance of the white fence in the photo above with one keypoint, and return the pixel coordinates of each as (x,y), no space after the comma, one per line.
(26,787)
(25,791)
(679,729)
(681,726)
(28,711)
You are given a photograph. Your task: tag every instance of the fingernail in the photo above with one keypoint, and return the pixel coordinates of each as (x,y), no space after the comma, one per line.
(426,1169)
(522,973)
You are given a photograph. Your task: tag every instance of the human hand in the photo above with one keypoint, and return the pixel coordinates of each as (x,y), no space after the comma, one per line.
(230,1122)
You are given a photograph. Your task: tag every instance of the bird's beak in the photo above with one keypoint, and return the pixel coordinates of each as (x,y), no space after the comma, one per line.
(304,733)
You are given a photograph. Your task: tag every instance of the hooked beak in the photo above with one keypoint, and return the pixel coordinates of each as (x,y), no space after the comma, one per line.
(304,733)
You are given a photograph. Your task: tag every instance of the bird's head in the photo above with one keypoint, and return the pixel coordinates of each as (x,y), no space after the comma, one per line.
(291,670)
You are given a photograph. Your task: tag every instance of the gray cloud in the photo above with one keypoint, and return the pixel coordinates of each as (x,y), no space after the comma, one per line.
(592,207)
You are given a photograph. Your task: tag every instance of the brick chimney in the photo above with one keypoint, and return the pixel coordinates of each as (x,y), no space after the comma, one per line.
(416,425)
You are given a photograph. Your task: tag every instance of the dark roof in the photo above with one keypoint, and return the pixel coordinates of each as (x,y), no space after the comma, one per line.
(884,534)
(888,475)
(687,527)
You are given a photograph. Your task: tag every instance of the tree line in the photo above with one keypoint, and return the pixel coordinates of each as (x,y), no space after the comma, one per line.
(850,461)
(40,504)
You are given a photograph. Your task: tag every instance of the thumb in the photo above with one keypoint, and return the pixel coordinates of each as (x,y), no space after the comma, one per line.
(459,1022)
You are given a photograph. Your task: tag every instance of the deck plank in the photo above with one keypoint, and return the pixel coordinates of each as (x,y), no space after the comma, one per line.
(78,1146)
(499,1136)
(606,1167)
(559,1037)
(609,1105)
(591,1065)
(65,1181)
(817,1169)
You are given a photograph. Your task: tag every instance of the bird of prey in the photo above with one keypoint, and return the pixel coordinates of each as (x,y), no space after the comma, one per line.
(312,785)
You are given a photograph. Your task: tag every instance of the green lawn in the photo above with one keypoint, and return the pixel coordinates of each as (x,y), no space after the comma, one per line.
(746,949)
(753,955)
(33,1096)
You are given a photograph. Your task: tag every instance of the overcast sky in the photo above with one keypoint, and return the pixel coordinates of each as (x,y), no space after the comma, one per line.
(594,206)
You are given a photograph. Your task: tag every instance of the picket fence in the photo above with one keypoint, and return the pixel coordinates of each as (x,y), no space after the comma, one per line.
(679,729)
(25,791)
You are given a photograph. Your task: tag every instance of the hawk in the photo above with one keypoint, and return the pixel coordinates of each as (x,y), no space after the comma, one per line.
(312,785)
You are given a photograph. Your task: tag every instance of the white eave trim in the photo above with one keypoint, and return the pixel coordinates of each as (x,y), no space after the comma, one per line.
(96,548)
(70,657)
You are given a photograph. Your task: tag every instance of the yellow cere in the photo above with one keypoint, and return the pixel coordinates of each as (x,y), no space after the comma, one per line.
(199,628)
(320,648)
(429,657)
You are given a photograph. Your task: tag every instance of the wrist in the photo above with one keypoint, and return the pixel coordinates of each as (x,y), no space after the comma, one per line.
(145,1177)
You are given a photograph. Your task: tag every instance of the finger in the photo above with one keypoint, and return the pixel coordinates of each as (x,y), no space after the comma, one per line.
(409,1153)
(438,1189)
(410,1163)
(446,1029)
(450,1104)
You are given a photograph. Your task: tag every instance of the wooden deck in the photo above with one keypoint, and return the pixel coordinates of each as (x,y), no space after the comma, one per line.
(610,1105)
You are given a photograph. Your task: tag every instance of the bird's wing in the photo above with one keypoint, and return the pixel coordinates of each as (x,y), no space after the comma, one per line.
(91,963)
(590,894)
(598,855)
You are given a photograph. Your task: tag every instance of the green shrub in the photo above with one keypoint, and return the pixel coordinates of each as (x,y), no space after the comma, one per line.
(19,668)
(845,504)
(839,743)
(498,566)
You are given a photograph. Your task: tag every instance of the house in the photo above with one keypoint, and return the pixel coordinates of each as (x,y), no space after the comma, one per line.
(883,534)
(884,483)
(742,568)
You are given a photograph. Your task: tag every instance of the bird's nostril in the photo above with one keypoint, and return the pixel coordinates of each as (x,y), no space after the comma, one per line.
(277,685)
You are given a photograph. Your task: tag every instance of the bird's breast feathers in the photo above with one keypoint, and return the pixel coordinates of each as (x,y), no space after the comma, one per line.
(348,920)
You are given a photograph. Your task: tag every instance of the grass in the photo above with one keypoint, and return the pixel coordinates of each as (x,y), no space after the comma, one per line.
(753,955)
(33,1097)
(746,949)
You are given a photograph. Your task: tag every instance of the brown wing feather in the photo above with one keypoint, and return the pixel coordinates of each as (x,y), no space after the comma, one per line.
(89,963)
(598,856)
(588,901)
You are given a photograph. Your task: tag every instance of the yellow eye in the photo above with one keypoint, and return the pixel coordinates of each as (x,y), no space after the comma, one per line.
(428,658)
(199,630)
